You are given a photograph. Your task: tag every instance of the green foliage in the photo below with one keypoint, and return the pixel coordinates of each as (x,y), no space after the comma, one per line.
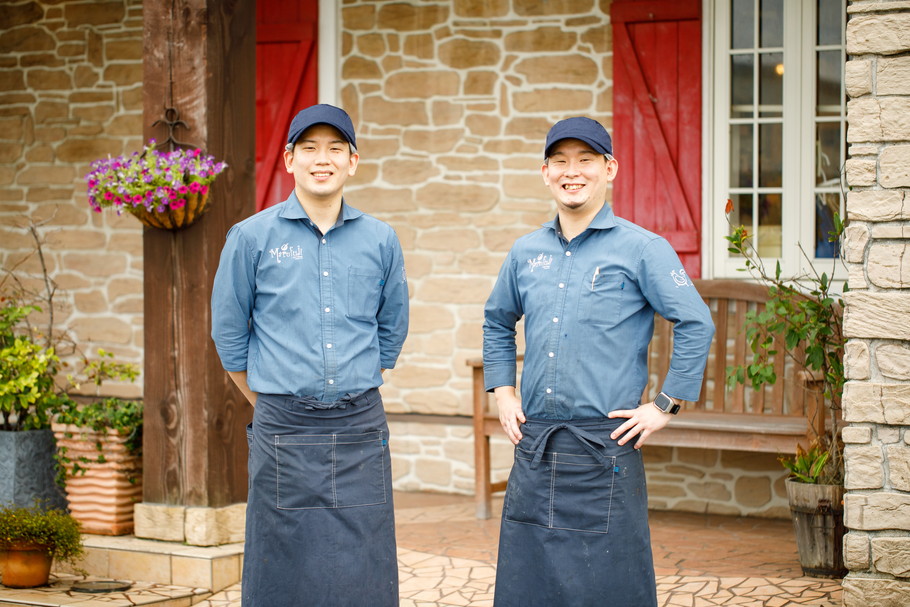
(807,466)
(124,416)
(53,528)
(100,369)
(804,317)
(28,395)
(33,392)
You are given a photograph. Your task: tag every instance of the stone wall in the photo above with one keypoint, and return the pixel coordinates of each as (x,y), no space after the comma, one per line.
(451,99)
(438,456)
(71,92)
(877,322)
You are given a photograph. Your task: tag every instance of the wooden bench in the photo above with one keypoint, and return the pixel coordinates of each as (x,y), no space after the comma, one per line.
(774,419)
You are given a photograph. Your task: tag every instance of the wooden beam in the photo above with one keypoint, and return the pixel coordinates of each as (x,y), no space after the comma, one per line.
(200,60)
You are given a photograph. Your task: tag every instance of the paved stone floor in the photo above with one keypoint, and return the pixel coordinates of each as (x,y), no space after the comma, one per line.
(447,557)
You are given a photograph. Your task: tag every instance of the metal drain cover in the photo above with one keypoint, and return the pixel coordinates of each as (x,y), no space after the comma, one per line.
(101,586)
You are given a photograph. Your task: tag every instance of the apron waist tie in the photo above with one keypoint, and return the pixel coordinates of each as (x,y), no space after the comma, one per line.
(587,440)
(355,399)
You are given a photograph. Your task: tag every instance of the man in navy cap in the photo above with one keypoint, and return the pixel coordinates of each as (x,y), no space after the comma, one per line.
(574,525)
(309,306)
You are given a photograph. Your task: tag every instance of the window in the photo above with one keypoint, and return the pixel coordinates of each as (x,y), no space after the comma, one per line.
(778,126)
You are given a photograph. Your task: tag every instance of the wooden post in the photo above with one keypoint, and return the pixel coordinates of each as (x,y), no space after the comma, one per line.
(199,60)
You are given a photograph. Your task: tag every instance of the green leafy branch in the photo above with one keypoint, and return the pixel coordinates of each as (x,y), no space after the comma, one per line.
(804,316)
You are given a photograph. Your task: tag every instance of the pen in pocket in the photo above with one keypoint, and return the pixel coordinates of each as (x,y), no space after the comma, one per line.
(594,277)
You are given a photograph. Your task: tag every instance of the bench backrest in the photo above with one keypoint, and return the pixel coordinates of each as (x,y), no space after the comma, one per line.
(729,301)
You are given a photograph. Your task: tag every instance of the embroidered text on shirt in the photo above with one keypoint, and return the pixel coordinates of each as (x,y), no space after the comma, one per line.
(286,251)
(542,261)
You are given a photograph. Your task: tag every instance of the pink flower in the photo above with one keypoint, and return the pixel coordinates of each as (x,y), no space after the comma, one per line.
(204,190)
(183,189)
(108,195)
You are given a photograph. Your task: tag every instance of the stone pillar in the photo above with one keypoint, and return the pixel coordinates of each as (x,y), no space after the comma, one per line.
(877,320)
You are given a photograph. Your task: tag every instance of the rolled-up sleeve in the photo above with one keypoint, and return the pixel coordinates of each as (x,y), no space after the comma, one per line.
(393,314)
(233,295)
(672,295)
(502,312)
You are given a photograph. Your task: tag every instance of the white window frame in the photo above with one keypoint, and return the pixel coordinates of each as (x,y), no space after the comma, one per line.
(329,51)
(798,154)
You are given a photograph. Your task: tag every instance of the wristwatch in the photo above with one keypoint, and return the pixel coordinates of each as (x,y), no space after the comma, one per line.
(666,404)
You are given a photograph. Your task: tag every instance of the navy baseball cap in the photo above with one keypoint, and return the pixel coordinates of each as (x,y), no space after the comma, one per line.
(322,114)
(590,131)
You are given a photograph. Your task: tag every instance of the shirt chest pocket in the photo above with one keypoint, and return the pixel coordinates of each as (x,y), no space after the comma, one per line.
(601,298)
(364,290)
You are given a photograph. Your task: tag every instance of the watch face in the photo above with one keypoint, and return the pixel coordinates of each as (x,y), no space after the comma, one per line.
(663,402)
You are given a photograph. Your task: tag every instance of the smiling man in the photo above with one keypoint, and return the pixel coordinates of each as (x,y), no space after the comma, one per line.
(309,306)
(574,523)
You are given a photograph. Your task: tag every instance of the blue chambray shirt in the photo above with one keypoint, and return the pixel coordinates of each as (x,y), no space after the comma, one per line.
(306,314)
(589,310)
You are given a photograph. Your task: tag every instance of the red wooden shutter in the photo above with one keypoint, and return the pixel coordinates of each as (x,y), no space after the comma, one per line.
(286,79)
(657,120)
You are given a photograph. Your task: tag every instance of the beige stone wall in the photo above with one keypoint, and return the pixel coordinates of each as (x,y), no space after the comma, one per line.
(452,101)
(711,481)
(70,92)
(877,249)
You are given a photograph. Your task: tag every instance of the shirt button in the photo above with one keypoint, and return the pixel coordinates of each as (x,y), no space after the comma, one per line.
(323,241)
(562,285)
(331,381)
(568,253)
(551,354)
(328,309)
(549,391)
(325,273)
(555,319)
(328,345)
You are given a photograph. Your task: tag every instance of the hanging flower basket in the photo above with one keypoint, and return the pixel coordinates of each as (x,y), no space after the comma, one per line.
(168,190)
(174,218)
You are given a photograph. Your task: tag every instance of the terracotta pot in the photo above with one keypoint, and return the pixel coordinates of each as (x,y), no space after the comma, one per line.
(102,497)
(174,219)
(25,565)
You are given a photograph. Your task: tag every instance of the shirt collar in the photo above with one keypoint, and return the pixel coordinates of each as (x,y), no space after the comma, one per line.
(292,209)
(604,220)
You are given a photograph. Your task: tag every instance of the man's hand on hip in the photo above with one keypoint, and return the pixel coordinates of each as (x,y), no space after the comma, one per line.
(510,414)
(642,422)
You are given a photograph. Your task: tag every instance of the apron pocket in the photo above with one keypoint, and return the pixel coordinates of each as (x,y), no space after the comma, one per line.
(330,470)
(566,491)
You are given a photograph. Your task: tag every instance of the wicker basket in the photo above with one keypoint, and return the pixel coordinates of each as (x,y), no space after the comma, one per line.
(174,219)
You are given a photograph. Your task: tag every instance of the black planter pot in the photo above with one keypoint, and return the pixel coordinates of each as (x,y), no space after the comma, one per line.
(818,520)
(27,469)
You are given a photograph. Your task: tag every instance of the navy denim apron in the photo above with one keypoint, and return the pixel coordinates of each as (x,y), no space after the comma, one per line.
(320,528)
(575,520)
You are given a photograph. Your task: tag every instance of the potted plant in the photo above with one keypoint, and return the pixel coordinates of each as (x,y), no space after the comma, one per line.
(806,315)
(99,452)
(28,397)
(34,392)
(163,189)
(30,538)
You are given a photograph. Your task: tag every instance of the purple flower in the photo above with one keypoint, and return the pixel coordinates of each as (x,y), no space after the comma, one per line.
(153,178)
